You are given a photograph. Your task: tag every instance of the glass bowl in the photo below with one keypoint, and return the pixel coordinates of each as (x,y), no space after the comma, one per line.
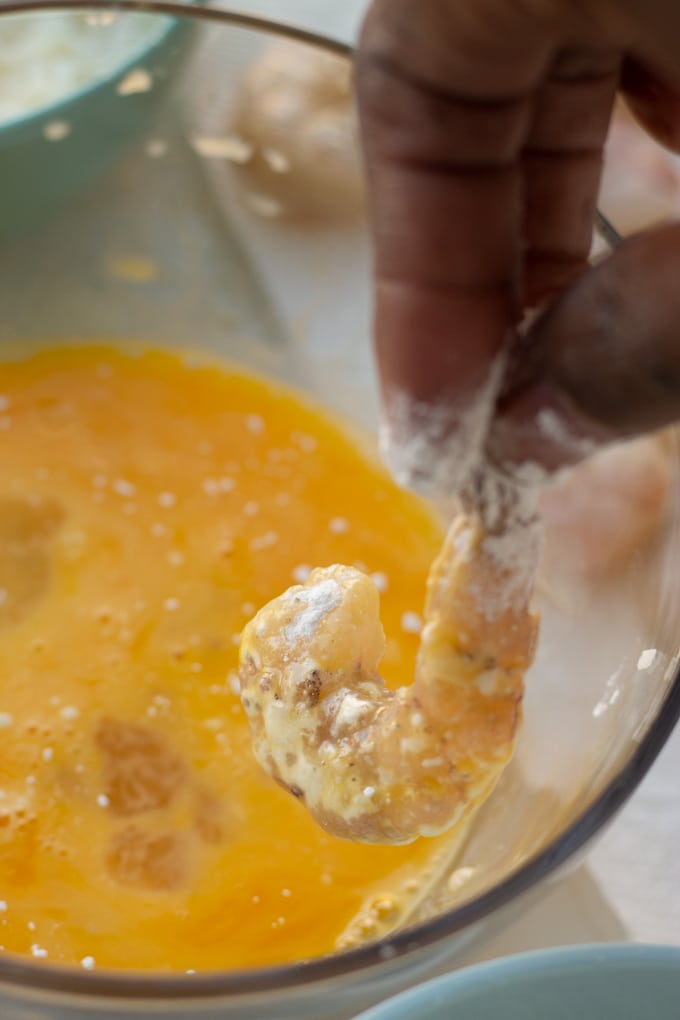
(181,239)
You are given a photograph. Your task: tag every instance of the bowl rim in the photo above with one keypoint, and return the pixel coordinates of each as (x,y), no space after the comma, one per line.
(37,115)
(155,987)
(574,961)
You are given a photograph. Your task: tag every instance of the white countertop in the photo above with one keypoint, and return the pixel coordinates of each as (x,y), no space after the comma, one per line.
(629,889)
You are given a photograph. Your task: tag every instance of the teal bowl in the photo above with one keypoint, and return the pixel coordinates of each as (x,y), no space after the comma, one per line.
(40,172)
(598,982)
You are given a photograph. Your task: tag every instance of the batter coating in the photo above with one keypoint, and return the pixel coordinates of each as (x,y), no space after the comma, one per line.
(381,766)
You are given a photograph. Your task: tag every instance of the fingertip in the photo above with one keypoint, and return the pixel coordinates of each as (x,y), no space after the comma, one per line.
(538,432)
(434,446)
(602,364)
(653,103)
(414,437)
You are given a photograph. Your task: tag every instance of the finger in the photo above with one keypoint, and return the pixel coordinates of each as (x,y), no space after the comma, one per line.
(562,163)
(655,104)
(603,363)
(445,109)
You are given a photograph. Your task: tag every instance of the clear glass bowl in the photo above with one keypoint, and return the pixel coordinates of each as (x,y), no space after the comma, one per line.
(172,240)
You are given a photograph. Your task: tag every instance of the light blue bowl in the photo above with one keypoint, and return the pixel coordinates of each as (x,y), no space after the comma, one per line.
(39,176)
(599,982)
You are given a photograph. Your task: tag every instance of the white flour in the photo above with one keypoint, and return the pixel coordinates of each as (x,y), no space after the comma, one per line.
(431,449)
(425,453)
(318,601)
(46,58)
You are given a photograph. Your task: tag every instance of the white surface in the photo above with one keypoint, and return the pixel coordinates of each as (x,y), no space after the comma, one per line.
(630,887)
(637,863)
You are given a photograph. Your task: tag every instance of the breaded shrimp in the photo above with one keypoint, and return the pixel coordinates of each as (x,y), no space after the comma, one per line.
(382,766)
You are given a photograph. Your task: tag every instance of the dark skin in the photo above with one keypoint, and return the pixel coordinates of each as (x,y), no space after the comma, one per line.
(483,125)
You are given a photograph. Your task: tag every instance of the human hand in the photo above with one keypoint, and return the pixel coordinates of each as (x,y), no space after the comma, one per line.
(483,126)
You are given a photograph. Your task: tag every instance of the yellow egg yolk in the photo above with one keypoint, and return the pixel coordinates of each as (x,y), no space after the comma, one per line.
(149,504)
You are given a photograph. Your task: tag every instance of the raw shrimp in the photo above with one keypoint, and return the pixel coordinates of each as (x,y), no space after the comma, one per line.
(606,509)
(295,126)
(381,766)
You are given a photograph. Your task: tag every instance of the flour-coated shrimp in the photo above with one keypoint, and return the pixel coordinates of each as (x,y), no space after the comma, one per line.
(381,766)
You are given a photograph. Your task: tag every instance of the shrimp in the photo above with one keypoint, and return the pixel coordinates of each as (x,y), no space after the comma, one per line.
(294,119)
(606,509)
(375,765)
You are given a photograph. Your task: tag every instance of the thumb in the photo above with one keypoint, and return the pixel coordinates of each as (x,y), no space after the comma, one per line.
(603,363)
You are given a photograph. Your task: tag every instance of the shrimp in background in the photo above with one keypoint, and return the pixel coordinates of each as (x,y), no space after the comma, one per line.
(295,136)
(604,510)
(381,766)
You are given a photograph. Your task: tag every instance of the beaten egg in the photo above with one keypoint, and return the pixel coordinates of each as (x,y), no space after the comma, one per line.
(149,504)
